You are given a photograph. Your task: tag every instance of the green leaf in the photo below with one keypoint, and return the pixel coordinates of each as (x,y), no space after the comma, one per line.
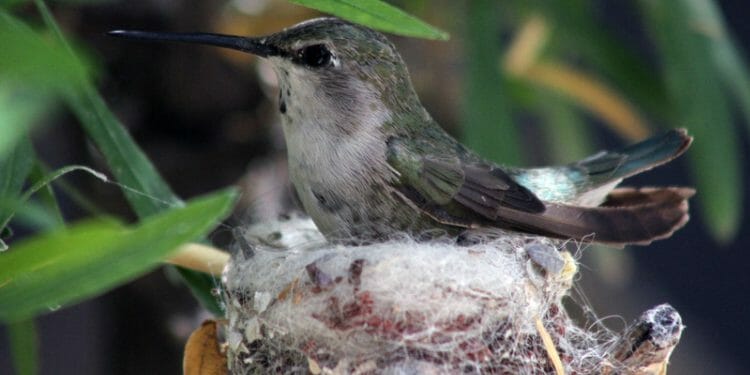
(202,286)
(378,15)
(89,258)
(701,106)
(42,214)
(146,191)
(13,172)
(488,125)
(730,65)
(9,207)
(141,183)
(10,4)
(19,110)
(31,59)
(24,346)
(36,217)
(144,188)
(47,195)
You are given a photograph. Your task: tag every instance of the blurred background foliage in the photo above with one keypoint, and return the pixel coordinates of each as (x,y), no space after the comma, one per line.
(522,82)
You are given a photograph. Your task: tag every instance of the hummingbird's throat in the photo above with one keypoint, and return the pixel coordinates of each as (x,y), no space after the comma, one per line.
(327,105)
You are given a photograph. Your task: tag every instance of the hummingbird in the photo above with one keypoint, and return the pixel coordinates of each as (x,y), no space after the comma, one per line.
(368,162)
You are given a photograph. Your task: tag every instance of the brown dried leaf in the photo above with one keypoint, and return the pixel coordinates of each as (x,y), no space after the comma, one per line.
(202,353)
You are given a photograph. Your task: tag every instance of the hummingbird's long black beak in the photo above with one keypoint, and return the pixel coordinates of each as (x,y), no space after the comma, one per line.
(250,45)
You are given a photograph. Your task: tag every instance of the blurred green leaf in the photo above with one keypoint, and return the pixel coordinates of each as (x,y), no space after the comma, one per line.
(10,206)
(24,346)
(142,185)
(378,15)
(30,58)
(730,65)
(47,197)
(144,188)
(35,216)
(13,172)
(701,106)
(488,126)
(76,196)
(87,259)
(19,110)
(42,214)
(9,4)
(202,286)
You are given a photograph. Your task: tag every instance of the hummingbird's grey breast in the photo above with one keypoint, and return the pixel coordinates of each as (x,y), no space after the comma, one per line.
(337,159)
(339,182)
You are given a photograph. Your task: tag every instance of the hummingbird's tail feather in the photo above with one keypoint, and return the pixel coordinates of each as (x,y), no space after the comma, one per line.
(629,216)
(608,166)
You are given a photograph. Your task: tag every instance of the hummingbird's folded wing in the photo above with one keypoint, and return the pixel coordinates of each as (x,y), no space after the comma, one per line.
(485,188)
(467,192)
(467,189)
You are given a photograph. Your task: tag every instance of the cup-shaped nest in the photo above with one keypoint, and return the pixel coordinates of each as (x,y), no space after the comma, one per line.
(297,304)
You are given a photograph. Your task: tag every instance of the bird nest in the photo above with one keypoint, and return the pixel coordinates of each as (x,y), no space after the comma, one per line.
(298,304)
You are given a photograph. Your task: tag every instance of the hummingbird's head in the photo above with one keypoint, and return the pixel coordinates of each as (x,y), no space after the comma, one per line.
(336,70)
(330,70)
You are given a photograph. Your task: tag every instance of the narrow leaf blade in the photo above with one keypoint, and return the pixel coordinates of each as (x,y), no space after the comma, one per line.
(53,66)
(14,169)
(732,68)
(146,191)
(20,108)
(24,346)
(378,15)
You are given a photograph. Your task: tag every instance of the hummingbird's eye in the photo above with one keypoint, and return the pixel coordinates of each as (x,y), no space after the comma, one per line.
(315,56)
